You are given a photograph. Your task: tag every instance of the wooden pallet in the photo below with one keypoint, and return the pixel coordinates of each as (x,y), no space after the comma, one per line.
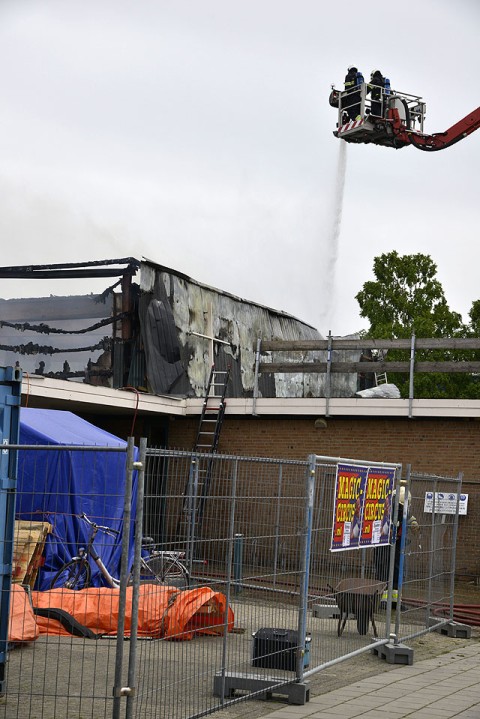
(28,543)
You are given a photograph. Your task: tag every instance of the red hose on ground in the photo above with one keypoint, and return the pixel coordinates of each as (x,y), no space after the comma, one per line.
(464,613)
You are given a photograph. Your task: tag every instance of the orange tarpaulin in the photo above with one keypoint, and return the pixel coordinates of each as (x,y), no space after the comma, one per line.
(163,611)
(22,626)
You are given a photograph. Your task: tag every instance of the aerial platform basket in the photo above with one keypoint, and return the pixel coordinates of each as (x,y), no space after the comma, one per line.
(392,119)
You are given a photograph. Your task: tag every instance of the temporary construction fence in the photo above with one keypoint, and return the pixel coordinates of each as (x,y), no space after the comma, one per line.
(392,582)
(429,557)
(272,570)
(56,665)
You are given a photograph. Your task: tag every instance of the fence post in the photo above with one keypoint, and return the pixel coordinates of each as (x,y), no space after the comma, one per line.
(432,549)
(191,509)
(238,562)
(255,382)
(328,375)
(117,689)
(454,546)
(411,378)
(229,577)
(10,397)
(132,657)
(401,565)
(305,569)
(391,565)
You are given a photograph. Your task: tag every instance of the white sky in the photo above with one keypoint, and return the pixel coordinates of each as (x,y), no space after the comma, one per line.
(197,133)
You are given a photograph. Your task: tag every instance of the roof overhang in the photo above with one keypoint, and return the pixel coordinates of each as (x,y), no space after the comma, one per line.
(39,391)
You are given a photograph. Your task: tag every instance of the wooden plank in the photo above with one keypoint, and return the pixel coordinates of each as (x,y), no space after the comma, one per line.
(455,343)
(367,367)
(28,543)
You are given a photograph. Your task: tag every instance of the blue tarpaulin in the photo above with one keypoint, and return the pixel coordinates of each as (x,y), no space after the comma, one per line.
(58,486)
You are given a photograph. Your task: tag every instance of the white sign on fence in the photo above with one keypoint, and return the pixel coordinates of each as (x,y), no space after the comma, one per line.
(445,503)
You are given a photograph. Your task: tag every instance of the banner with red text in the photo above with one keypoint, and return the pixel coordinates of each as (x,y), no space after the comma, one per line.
(377,507)
(362,506)
(348,506)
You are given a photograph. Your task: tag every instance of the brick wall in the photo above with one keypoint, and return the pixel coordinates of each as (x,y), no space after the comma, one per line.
(433,446)
(444,447)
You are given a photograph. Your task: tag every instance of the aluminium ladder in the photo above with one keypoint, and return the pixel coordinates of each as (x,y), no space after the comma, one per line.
(213,411)
(206,442)
(381,377)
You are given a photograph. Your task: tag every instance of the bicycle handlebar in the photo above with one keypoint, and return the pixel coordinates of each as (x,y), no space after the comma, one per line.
(106,530)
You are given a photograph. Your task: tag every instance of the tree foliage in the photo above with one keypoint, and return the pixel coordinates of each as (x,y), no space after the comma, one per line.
(406,298)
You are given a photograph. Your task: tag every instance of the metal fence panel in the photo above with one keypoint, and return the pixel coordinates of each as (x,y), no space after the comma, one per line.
(345,610)
(427,595)
(241,523)
(244,594)
(53,672)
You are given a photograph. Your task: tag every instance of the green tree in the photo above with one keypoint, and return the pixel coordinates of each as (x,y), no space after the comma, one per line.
(474,315)
(407,298)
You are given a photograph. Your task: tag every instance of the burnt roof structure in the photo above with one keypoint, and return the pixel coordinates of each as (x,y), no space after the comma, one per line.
(155,330)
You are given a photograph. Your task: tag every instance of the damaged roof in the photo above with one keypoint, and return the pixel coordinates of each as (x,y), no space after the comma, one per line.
(155,329)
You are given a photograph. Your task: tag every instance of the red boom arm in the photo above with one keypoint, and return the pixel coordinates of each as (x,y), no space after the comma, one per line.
(440,140)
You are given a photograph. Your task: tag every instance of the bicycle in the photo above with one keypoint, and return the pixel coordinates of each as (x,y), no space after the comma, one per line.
(163,567)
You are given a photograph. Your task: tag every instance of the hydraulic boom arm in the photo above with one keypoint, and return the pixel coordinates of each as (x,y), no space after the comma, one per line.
(441,140)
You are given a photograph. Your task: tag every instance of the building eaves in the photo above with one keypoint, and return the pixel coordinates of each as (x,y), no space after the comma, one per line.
(50,393)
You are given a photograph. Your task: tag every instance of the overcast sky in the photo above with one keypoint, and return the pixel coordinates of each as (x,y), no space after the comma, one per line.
(198,134)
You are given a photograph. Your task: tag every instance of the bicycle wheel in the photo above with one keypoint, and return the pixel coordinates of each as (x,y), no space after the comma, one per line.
(165,570)
(74,574)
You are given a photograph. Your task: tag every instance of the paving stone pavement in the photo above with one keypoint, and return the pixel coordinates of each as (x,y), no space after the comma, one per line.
(439,688)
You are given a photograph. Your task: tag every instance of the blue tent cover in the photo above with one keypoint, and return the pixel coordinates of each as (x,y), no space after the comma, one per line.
(58,486)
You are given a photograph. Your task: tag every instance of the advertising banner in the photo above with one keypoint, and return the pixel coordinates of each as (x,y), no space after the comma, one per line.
(362,507)
(377,507)
(348,506)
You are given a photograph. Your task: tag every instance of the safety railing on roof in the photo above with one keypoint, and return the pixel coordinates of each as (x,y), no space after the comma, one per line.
(377,349)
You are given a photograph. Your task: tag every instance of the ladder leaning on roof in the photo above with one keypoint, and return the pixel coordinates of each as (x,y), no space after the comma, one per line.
(208,434)
(213,411)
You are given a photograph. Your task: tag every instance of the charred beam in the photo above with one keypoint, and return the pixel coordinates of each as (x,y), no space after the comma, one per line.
(43,328)
(130,261)
(34,274)
(31,348)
